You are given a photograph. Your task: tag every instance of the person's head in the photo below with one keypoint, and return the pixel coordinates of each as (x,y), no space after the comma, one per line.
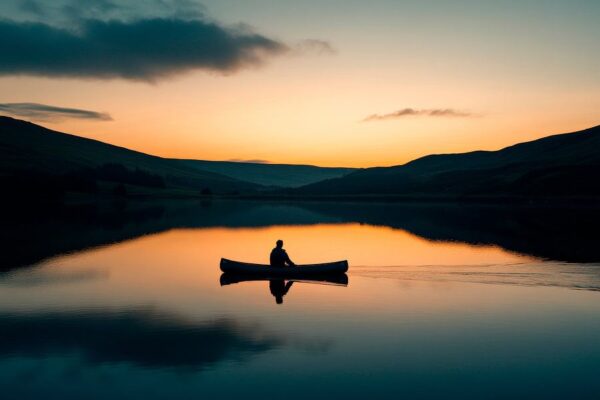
(280,243)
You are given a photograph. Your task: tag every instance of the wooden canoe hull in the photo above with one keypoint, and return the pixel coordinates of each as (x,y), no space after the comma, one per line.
(263,270)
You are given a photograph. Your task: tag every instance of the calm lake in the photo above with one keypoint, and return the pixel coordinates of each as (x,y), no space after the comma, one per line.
(441,301)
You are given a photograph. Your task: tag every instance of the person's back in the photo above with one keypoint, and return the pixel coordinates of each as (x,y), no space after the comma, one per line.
(279,257)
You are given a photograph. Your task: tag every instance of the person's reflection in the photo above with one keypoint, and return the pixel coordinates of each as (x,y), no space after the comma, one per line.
(279,288)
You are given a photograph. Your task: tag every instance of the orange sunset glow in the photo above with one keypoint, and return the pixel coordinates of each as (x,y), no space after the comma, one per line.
(517,80)
(316,122)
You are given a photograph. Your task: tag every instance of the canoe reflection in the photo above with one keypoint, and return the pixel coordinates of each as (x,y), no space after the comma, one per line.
(280,287)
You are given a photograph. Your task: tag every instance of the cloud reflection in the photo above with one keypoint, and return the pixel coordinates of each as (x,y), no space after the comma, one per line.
(145,338)
(41,276)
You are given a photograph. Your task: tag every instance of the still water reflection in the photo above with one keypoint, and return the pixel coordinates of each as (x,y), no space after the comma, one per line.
(129,301)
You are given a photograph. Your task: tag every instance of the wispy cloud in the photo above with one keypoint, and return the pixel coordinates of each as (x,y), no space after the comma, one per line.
(314,46)
(407,112)
(43,112)
(252,161)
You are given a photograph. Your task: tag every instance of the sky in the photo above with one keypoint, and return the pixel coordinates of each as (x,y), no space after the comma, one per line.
(328,82)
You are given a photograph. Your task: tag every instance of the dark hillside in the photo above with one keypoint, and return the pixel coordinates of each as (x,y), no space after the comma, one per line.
(566,164)
(29,149)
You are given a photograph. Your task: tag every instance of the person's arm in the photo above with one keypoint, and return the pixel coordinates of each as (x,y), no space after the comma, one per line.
(288,286)
(288,261)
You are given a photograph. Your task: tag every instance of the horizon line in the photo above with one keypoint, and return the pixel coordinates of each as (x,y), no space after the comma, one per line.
(284,163)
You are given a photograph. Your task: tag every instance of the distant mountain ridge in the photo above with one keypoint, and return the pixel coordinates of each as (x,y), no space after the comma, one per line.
(29,148)
(565,164)
(282,175)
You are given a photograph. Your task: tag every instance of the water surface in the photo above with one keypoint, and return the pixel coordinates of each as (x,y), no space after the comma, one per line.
(441,301)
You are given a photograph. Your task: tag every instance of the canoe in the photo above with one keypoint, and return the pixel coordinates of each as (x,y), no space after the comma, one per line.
(230,278)
(229,266)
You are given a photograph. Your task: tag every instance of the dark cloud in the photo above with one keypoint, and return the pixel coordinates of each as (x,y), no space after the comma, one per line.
(86,9)
(144,338)
(190,9)
(145,49)
(405,112)
(67,12)
(31,7)
(253,161)
(43,112)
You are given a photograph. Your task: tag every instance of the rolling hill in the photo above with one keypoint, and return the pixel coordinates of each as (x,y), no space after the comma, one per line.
(39,159)
(29,149)
(32,152)
(558,165)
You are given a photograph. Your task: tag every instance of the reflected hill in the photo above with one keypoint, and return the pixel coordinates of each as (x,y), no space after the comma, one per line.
(31,235)
(557,233)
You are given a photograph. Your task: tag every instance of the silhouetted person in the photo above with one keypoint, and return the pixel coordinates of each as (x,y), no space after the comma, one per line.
(279,289)
(279,257)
